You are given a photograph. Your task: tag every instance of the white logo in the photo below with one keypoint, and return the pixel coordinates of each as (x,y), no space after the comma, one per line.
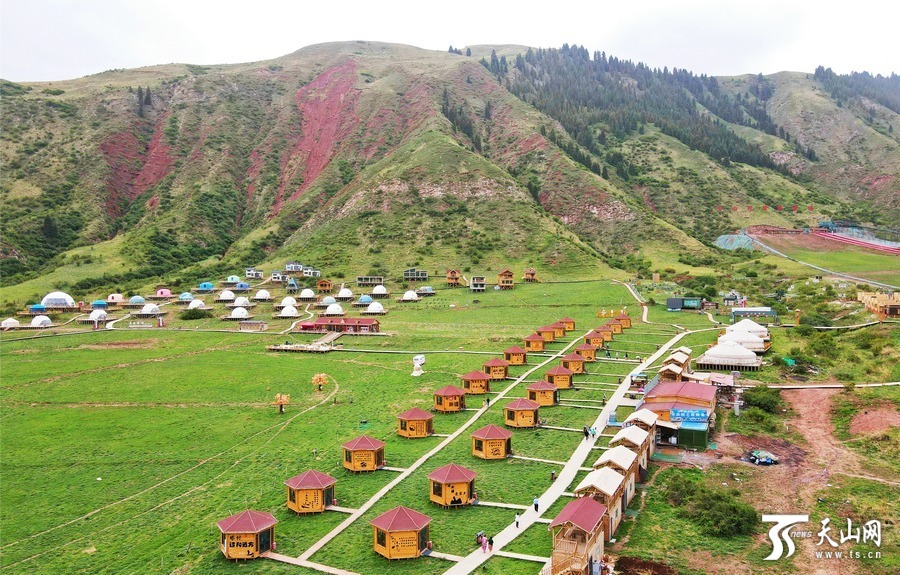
(780,531)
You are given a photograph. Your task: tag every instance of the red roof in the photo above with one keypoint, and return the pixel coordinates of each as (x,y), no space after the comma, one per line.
(684,389)
(545,328)
(515,349)
(587,347)
(572,357)
(248,521)
(476,375)
(560,370)
(452,473)
(450,390)
(311,479)
(558,325)
(623,316)
(491,432)
(593,333)
(541,386)
(521,404)
(415,414)
(568,320)
(496,363)
(613,321)
(603,328)
(584,513)
(534,337)
(401,519)
(660,406)
(363,443)
(346,321)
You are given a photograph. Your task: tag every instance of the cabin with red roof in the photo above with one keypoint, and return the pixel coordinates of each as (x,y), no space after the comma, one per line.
(453,277)
(596,339)
(452,485)
(310,492)
(401,533)
(577,536)
(505,279)
(559,329)
(559,376)
(476,382)
(615,325)
(534,343)
(324,286)
(496,368)
(521,413)
(363,454)
(247,534)
(587,351)
(449,399)
(573,362)
(415,423)
(530,276)
(669,395)
(547,332)
(568,322)
(624,319)
(543,393)
(515,355)
(491,442)
(347,324)
(606,332)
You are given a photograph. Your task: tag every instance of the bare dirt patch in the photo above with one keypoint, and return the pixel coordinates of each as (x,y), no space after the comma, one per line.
(128,344)
(876,420)
(635,566)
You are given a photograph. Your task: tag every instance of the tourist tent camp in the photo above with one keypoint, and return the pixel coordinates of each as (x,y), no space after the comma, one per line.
(9,323)
(491,442)
(534,343)
(751,326)
(363,301)
(115,298)
(37,309)
(326,301)
(334,310)
(237,314)
(99,304)
(729,355)
(306,295)
(577,536)
(521,413)
(449,399)
(262,295)
(452,485)
(247,534)
(415,423)
(476,382)
(543,393)
(745,339)
(607,486)
(310,492)
(289,311)
(241,287)
(41,321)
(624,461)
(426,291)
(515,355)
(241,301)
(344,294)
(98,315)
(363,454)
(163,293)
(374,308)
(232,280)
(401,533)
(57,299)
(559,376)
(496,368)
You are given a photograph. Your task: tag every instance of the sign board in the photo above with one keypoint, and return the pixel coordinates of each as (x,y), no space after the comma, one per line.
(700,415)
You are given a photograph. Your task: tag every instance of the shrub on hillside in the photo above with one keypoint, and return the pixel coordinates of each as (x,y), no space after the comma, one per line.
(766,398)
(717,512)
(190,314)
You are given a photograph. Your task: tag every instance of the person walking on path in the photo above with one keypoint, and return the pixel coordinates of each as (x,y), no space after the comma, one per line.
(586,431)
(490,544)
(484,543)
(517,520)
(536,503)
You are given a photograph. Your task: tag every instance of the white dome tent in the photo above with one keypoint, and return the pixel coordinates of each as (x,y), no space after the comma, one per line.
(328,300)
(744,339)
(335,310)
(307,295)
(197,304)
(288,301)
(375,308)
(262,295)
(226,295)
(98,315)
(149,310)
(345,294)
(115,298)
(239,313)
(288,311)
(242,301)
(379,291)
(41,321)
(729,355)
(58,299)
(9,323)
(410,295)
(750,326)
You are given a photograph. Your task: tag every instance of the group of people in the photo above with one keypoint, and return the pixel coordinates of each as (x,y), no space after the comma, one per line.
(486,542)
(589,432)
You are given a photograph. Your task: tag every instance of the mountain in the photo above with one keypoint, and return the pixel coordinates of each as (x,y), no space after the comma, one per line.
(367,157)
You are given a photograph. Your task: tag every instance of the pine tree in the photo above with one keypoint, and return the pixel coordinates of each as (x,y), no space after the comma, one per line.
(140,102)
(147,100)
(604,174)
(468,51)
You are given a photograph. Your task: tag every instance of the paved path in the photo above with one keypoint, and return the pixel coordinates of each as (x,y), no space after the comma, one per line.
(523,556)
(439,555)
(502,505)
(308,564)
(550,461)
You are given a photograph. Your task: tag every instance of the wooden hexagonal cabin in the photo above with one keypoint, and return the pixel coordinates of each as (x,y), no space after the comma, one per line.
(505,279)
(534,343)
(606,332)
(587,351)
(521,413)
(363,454)
(543,393)
(560,376)
(595,338)
(615,325)
(324,286)
(547,332)
(573,361)
(568,322)
(496,368)
(491,442)
(415,423)
(515,355)
(247,534)
(401,533)
(624,319)
(449,399)
(310,492)
(476,382)
(559,329)
(452,485)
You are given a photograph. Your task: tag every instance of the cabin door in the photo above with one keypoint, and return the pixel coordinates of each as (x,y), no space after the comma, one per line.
(329,496)
(423,538)
(265,540)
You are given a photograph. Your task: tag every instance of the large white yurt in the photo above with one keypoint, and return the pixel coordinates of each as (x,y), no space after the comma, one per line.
(729,355)
(750,326)
(57,299)
(41,321)
(744,339)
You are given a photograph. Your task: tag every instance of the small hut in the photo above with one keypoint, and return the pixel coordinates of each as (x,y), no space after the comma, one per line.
(573,362)
(247,534)
(324,286)
(638,441)
(401,533)
(505,279)
(530,276)
(521,413)
(578,536)
(363,454)
(453,278)
(478,283)
(624,319)
(452,485)
(587,351)
(560,376)
(606,486)
(449,399)
(568,322)
(534,343)
(646,420)
(605,332)
(547,332)
(543,393)
(476,382)
(515,355)
(310,492)
(307,295)
(492,442)
(415,423)
(496,368)
(559,329)
(615,325)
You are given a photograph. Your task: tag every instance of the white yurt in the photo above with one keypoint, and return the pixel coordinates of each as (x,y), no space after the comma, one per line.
(150,309)
(58,299)
(307,295)
(744,339)
(242,301)
(9,323)
(262,295)
(98,315)
(344,294)
(410,296)
(196,304)
(729,355)
(334,309)
(751,326)
(375,308)
(288,301)
(41,321)
(115,298)
(288,311)
(239,313)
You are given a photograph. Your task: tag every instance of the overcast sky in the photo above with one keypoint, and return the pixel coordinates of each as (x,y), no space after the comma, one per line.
(61,39)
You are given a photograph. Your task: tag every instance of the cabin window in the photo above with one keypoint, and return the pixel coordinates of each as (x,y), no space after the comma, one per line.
(479,445)
(532,395)
(380,538)
(292,495)
(437,489)
(348,456)
(223,539)
(510,415)
(403,424)
(439,400)
(467,384)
